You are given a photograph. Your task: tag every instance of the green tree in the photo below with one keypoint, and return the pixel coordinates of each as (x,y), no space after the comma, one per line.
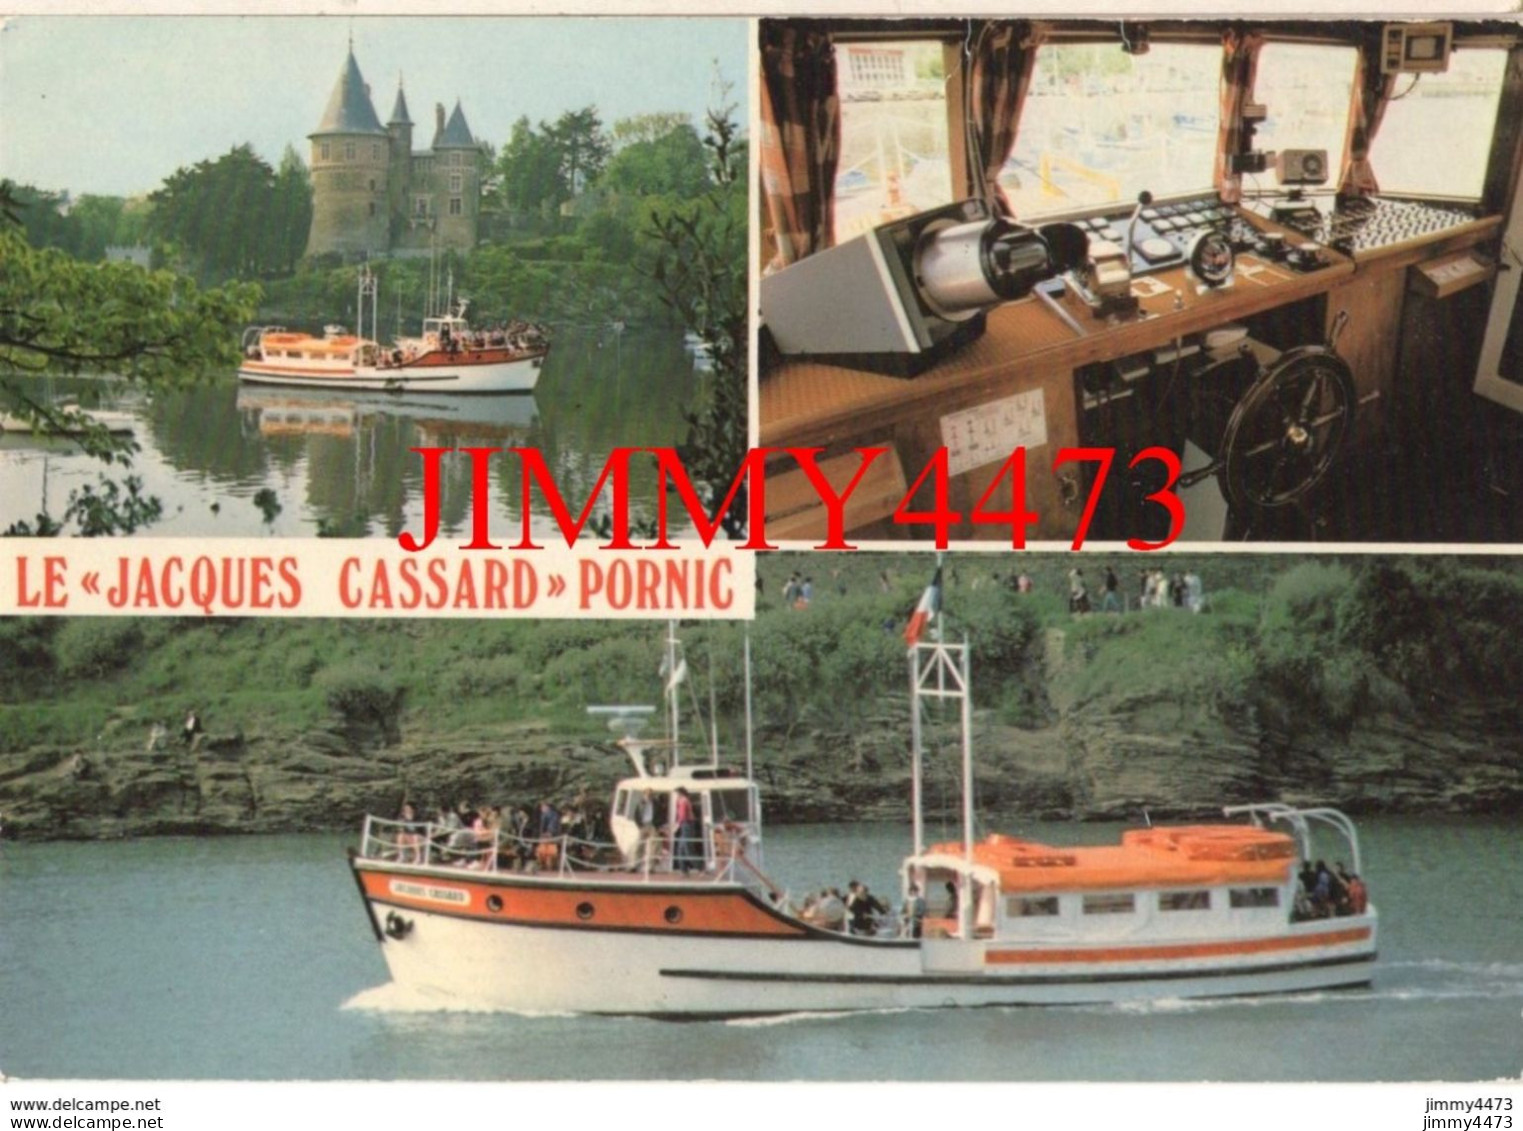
(530,168)
(290,215)
(671,164)
(699,269)
(60,315)
(227,217)
(582,145)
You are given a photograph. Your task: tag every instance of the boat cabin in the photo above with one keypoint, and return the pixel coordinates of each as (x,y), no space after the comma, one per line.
(1168,882)
(1267,265)
(726,806)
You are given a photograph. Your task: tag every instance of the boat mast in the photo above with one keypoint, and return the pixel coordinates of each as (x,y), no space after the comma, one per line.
(939,670)
(673,682)
(749,776)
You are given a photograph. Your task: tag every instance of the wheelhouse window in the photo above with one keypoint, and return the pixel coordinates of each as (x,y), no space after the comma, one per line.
(894,132)
(1110,904)
(1184,901)
(731,805)
(1030,906)
(1099,126)
(1436,135)
(1254,897)
(1306,90)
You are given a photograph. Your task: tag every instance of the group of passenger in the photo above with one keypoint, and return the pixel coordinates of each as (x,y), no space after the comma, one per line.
(1327,892)
(858,912)
(515,334)
(507,838)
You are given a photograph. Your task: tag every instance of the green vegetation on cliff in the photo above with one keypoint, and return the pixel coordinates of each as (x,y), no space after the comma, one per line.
(1373,683)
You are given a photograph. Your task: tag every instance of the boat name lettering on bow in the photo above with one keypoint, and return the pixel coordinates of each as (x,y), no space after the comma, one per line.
(431,892)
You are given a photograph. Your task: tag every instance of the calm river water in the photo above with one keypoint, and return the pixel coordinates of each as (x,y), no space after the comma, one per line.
(251,958)
(342,463)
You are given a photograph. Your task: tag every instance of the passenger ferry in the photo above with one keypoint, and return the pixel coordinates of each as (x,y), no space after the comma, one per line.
(686,921)
(447,357)
(1275,251)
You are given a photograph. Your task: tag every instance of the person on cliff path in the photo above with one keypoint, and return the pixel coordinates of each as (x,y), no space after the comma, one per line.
(191,732)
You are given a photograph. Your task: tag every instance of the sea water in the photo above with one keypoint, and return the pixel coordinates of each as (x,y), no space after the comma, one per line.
(251,958)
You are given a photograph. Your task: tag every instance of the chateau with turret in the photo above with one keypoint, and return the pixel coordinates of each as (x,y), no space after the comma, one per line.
(372,194)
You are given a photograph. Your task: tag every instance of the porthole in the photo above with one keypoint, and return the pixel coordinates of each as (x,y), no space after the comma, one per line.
(494,903)
(674,915)
(584,911)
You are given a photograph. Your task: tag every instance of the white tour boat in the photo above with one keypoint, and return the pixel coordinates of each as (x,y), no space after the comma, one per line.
(447,357)
(1168,912)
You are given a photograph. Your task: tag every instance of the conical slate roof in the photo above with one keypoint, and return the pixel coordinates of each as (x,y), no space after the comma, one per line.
(399,115)
(349,110)
(456,134)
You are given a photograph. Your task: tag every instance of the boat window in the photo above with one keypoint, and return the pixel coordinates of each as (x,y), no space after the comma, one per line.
(1435,137)
(1307,90)
(1110,904)
(1184,901)
(894,129)
(1254,897)
(731,805)
(1100,125)
(1027,906)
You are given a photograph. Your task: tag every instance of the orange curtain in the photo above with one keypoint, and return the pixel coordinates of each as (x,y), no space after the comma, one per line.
(800,141)
(1240,63)
(999,76)
(1372,93)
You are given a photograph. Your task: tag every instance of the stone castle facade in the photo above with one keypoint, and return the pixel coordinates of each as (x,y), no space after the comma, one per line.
(372,194)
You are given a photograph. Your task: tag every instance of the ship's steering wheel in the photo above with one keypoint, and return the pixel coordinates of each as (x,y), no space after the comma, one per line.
(1287,432)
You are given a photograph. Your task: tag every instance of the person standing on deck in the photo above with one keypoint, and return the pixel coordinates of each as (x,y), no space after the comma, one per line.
(685,830)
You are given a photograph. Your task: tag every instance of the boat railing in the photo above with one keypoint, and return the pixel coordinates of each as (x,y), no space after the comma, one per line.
(431,844)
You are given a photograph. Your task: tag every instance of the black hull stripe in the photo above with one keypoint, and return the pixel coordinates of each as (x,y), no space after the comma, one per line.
(1027,980)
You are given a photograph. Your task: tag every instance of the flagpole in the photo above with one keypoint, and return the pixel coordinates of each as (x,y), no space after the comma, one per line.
(749,776)
(915,752)
(965,904)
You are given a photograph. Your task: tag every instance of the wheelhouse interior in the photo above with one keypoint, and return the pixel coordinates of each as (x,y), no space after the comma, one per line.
(1284,252)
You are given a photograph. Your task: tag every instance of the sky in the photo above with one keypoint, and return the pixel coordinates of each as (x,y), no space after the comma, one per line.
(114,105)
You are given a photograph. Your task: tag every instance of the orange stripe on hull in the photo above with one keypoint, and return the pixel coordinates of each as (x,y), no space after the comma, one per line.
(640,909)
(1177,950)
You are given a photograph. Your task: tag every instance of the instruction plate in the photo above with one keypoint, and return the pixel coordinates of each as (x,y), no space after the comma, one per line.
(990,432)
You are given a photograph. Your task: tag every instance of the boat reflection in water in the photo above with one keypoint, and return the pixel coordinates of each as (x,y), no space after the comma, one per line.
(438,418)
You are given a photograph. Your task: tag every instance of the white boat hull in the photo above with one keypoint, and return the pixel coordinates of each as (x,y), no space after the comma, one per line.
(519,375)
(544,966)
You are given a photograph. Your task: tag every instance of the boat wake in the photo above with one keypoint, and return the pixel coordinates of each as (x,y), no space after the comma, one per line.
(1421,980)
(810,1016)
(392,998)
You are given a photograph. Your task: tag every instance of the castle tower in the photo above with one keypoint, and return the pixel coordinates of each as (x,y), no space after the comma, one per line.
(404,210)
(456,177)
(351,157)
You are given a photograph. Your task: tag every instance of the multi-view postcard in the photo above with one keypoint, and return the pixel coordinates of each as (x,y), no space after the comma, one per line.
(1171,809)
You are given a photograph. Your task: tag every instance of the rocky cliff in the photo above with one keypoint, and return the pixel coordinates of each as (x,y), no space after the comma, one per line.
(1170,750)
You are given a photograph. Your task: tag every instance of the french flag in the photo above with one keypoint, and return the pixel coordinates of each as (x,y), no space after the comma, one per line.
(930,605)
